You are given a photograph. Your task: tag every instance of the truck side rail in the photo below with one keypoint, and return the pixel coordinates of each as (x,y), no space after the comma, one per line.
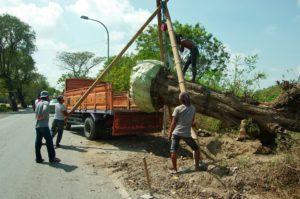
(101,98)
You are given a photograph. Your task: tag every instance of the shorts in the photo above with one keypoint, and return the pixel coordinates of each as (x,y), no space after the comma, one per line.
(188,140)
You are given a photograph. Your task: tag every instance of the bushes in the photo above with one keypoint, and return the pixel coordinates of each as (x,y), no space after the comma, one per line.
(207,123)
(4,108)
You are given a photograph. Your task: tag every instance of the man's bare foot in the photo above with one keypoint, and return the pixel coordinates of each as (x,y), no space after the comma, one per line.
(172,171)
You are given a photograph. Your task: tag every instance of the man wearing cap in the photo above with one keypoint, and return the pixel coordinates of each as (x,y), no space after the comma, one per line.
(58,122)
(42,129)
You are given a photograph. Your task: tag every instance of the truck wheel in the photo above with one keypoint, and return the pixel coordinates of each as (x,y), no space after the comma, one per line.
(89,129)
(67,126)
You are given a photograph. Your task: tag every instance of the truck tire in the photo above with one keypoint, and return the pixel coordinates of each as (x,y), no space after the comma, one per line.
(90,129)
(67,126)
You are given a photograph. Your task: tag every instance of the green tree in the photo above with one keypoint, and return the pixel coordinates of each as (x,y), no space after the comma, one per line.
(242,80)
(77,65)
(23,74)
(119,76)
(16,38)
(37,84)
(212,58)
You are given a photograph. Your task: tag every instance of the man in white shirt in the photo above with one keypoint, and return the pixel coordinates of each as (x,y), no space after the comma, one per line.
(59,118)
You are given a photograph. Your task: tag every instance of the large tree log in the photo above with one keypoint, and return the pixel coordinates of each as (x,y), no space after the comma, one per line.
(272,118)
(231,109)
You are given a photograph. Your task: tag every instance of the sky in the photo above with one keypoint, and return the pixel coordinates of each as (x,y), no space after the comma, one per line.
(269,28)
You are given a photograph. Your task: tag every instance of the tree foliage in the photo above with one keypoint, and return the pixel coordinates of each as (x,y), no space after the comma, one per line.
(19,81)
(16,47)
(119,76)
(241,79)
(268,94)
(77,65)
(213,56)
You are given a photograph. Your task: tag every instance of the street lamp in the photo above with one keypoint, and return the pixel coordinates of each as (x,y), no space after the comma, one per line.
(87,18)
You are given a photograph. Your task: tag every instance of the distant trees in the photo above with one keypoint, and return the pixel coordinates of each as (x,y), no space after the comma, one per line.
(17,67)
(16,47)
(242,80)
(77,65)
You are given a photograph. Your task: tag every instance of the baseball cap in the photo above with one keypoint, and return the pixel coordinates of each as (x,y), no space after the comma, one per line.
(44,94)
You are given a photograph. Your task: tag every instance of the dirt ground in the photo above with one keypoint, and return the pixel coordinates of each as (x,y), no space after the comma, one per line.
(236,170)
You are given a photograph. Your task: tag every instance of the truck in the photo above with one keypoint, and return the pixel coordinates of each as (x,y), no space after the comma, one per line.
(106,112)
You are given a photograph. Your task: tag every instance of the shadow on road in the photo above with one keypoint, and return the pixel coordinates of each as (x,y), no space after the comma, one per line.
(65,167)
(73,148)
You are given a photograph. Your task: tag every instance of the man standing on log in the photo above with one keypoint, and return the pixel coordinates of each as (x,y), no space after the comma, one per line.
(182,122)
(193,56)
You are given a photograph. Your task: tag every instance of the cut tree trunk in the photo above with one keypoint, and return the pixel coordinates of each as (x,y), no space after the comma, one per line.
(283,114)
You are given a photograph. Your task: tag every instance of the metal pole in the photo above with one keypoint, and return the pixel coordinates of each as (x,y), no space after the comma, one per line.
(87,18)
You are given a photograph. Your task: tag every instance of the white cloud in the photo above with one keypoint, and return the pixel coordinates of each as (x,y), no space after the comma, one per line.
(299,2)
(45,59)
(40,18)
(50,45)
(117,36)
(9,2)
(118,14)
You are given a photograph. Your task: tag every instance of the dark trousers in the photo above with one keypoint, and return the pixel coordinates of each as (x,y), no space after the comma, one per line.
(43,132)
(192,60)
(57,128)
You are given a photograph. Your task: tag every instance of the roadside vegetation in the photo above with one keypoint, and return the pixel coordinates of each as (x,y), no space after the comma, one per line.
(276,173)
(19,80)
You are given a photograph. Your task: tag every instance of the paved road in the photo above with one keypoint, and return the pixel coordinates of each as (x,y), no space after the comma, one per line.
(21,177)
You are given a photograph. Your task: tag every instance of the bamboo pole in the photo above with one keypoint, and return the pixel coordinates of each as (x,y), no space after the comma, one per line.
(175,53)
(115,60)
(180,76)
(162,59)
(162,53)
(147,176)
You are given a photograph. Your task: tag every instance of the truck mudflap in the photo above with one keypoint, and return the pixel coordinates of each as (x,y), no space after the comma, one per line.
(129,123)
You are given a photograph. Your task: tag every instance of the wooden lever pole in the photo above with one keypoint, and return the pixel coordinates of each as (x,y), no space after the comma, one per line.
(115,60)
(162,53)
(181,81)
(147,176)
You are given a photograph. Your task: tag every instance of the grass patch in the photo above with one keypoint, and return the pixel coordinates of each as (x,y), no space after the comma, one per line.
(207,123)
